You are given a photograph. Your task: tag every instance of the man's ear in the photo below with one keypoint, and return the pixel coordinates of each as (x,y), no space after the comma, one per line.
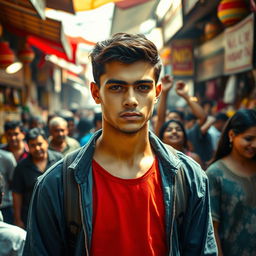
(95,91)
(158,92)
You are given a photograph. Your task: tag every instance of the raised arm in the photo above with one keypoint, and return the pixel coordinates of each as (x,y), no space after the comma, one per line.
(196,109)
(167,83)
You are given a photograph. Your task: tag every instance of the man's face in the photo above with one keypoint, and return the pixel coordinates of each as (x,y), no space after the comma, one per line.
(59,132)
(127,95)
(14,137)
(38,148)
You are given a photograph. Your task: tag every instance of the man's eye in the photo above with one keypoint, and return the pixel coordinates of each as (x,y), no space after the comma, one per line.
(143,87)
(115,87)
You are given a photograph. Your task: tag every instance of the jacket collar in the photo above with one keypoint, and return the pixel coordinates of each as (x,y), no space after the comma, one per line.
(83,160)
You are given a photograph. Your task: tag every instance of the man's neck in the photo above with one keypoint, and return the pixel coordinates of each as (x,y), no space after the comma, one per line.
(124,155)
(60,146)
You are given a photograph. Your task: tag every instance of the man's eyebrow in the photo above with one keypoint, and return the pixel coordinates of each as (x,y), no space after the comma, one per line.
(146,81)
(115,81)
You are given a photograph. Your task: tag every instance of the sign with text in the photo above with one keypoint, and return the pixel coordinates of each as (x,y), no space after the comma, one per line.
(182,58)
(239,46)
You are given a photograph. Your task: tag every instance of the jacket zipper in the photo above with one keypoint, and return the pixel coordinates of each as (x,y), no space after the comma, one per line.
(173,214)
(83,224)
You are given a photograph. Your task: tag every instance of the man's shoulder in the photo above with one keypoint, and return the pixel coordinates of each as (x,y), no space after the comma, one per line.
(52,175)
(55,155)
(71,141)
(7,157)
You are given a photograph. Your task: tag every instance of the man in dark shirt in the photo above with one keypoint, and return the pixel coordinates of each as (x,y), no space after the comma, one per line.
(27,172)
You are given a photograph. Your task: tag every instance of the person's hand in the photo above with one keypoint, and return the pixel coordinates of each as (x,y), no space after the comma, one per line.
(167,83)
(181,89)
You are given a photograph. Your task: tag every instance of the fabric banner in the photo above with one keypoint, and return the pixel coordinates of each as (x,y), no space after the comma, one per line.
(239,46)
(182,58)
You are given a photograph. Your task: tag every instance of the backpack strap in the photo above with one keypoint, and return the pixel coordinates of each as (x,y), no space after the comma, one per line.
(71,202)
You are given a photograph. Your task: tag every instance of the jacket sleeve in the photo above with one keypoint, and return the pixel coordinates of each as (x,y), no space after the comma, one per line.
(198,235)
(46,225)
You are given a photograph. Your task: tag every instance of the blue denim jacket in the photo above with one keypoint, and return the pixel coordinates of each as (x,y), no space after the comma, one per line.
(46,234)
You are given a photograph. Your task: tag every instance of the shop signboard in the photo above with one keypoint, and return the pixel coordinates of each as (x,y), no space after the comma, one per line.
(182,59)
(189,5)
(239,46)
(173,20)
(210,67)
(210,59)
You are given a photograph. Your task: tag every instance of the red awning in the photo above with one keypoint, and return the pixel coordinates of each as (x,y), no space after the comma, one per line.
(52,48)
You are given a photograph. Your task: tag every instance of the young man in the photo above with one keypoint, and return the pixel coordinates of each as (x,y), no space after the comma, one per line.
(13,131)
(27,172)
(125,175)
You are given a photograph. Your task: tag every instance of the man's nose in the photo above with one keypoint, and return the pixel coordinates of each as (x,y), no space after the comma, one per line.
(130,99)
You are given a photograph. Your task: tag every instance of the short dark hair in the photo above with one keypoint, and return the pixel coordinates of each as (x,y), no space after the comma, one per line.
(84,125)
(241,121)
(10,125)
(126,48)
(34,133)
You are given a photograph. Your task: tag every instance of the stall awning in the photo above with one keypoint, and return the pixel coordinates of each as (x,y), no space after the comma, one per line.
(140,11)
(73,6)
(26,22)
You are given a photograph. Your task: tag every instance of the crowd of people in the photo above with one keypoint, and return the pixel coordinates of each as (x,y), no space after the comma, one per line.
(124,160)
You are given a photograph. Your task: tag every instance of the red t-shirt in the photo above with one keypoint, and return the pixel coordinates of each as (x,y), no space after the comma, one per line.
(128,214)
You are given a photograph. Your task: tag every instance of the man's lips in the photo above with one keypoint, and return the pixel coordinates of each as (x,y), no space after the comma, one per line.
(130,115)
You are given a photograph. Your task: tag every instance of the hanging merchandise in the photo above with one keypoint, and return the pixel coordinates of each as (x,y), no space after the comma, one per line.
(211,29)
(232,11)
(26,54)
(6,54)
(230,91)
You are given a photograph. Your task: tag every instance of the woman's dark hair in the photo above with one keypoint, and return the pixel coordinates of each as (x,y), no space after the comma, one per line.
(126,48)
(34,133)
(241,121)
(165,126)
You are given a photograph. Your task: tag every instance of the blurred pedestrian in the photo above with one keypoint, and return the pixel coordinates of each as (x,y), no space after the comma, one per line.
(59,139)
(174,134)
(12,238)
(7,165)
(84,129)
(27,172)
(13,131)
(125,177)
(232,177)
